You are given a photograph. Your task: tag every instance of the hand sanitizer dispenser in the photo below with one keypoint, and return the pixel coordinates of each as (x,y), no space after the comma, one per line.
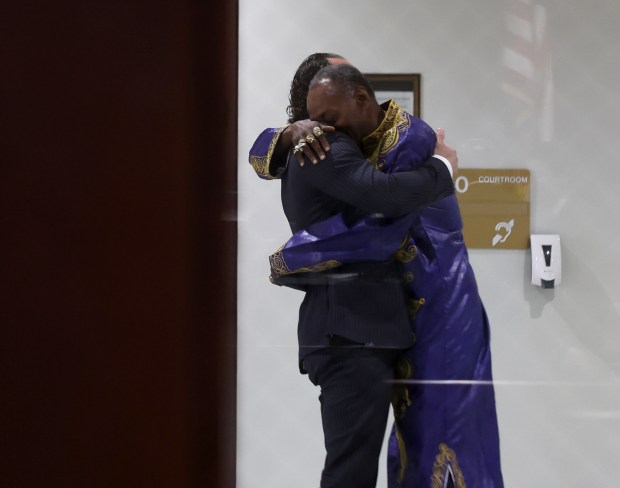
(546,260)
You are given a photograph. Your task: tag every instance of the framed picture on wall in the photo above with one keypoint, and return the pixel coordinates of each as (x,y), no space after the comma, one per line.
(404,89)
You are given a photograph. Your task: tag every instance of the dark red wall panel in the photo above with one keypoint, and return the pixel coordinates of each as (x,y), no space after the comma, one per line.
(118,244)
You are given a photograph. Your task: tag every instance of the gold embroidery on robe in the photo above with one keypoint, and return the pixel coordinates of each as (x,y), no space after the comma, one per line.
(414,305)
(261,163)
(444,462)
(280,268)
(386,136)
(400,402)
(407,251)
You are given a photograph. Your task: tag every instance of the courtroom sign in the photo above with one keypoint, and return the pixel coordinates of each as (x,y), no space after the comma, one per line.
(495,205)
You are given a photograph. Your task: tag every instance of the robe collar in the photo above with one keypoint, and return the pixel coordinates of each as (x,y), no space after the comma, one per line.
(371,141)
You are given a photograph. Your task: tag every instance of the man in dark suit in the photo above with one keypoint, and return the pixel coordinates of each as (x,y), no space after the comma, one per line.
(353,322)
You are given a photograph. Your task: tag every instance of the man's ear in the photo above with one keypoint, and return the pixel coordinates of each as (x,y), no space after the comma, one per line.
(361,95)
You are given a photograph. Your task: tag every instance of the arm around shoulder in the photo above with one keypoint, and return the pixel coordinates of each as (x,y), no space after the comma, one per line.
(349,177)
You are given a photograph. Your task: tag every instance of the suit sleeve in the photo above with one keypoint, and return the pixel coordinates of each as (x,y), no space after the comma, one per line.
(347,176)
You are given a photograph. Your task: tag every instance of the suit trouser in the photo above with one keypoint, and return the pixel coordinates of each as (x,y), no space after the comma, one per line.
(356,389)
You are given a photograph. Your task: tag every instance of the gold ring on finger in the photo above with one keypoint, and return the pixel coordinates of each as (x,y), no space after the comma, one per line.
(318,132)
(296,149)
(310,139)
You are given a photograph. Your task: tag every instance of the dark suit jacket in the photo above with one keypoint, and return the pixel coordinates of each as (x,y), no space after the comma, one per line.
(364,302)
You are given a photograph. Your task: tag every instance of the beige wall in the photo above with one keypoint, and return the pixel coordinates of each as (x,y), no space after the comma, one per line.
(556,352)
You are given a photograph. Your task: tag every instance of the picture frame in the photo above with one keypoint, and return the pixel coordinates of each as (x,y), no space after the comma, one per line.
(403,88)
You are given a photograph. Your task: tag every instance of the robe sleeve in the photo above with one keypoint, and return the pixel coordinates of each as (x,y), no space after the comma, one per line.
(262,158)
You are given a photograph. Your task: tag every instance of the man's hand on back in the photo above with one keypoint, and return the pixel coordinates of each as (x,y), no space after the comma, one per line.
(442,149)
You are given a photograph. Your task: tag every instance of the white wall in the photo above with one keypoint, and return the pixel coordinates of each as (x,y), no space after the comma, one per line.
(556,352)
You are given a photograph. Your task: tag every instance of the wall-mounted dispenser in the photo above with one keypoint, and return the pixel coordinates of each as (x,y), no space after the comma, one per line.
(546,260)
